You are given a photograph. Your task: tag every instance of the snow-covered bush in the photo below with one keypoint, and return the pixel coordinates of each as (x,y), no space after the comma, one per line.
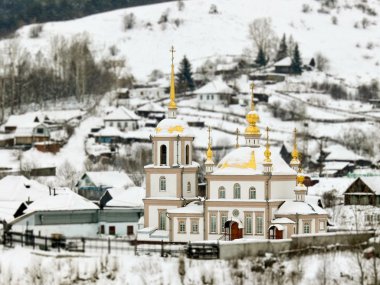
(129,21)
(213,9)
(35,31)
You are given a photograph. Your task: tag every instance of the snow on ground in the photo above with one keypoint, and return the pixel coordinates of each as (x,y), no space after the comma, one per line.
(22,266)
(201,35)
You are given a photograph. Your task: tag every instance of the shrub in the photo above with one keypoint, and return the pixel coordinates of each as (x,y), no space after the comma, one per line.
(322,62)
(35,31)
(334,20)
(306,8)
(129,21)
(213,9)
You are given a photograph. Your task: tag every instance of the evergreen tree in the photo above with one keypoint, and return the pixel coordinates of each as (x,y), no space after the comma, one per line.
(282,51)
(296,61)
(184,76)
(261,58)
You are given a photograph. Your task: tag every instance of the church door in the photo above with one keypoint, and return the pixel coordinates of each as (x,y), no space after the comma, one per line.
(236,233)
(279,234)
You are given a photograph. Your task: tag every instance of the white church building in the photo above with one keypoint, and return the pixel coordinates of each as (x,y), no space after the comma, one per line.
(251,193)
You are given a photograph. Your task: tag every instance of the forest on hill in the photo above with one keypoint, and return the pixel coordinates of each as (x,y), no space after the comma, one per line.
(16,13)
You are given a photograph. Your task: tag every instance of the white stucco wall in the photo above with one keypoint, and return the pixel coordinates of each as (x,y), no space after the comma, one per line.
(192,178)
(153,215)
(86,230)
(283,189)
(244,189)
(120,228)
(210,99)
(171,185)
(188,236)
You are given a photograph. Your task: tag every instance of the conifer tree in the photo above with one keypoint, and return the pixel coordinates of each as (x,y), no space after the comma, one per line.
(282,51)
(261,58)
(184,76)
(296,61)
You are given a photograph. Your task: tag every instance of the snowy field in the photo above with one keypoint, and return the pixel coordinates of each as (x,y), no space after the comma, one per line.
(20,266)
(353,52)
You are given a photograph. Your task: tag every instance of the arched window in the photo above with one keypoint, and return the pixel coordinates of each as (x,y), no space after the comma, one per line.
(162,183)
(237,191)
(252,193)
(162,221)
(187,154)
(222,192)
(188,187)
(163,152)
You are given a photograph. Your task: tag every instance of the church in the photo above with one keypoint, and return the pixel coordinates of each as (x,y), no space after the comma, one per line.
(250,194)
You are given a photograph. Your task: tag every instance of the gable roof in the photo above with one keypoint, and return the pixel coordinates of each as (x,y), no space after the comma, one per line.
(131,197)
(121,113)
(114,179)
(217,86)
(26,119)
(287,61)
(152,107)
(373,182)
(340,153)
(19,188)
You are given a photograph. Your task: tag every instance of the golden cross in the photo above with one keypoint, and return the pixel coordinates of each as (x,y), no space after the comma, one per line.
(172,51)
(237,138)
(252,96)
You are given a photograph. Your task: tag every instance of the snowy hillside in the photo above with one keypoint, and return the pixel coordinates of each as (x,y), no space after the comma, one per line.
(353,51)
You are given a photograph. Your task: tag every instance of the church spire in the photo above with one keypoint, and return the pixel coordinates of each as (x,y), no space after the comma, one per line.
(252,132)
(267,161)
(209,162)
(295,163)
(172,108)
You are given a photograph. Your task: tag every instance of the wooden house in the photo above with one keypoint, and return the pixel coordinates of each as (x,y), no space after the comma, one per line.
(363,191)
(122,119)
(216,92)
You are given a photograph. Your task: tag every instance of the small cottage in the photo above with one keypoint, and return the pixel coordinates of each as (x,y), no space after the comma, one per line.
(216,92)
(122,118)
(363,191)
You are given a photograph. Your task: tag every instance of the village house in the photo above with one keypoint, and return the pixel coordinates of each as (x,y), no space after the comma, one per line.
(93,184)
(363,191)
(153,112)
(147,91)
(216,92)
(121,118)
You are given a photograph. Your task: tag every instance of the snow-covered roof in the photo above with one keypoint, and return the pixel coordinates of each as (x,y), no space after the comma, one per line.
(121,114)
(249,161)
(28,129)
(340,153)
(66,200)
(19,188)
(287,61)
(172,128)
(282,221)
(131,197)
(113,179)
(227,66)
(25,119)
(217,86)
(335,165)
(195,207)
(109,132)
(8,209)
(152,107)
(325,184)
(298,207)
(372,182)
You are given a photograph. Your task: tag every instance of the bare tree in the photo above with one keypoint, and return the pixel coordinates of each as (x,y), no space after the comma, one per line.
(263,35)
(68,175)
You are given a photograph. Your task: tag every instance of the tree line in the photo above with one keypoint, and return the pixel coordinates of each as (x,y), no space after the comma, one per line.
(69,70)
(16,13)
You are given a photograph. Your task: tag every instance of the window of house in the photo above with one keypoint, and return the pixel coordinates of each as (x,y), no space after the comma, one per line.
(188,187)
(162,221)
(248,224)
(213,223)
(111,230)
(222,192)
(212,97)
(163,154)
(194,227)
(182,227)
(118,124)
(306,227)
(162,183)
(40,131)
(259,225)
(201,97)
(111,124)
(252,193)
(102,229)
(223,220)
(187,154)
(321,225)
(237,191)
(208,97)
(129,230)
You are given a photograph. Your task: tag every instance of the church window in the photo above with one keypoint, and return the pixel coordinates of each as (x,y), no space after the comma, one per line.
(237,191)
(223,220)
(162,183)
(194,227)
(187,154)
(163,154)
(321,225)
(213,223)
(162,220)
(306,227)
(188,187)
(248,224)
(259,225)
(252,193)
(182,226)
(222,192)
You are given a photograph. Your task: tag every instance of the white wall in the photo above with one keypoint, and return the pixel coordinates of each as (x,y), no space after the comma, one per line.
(192,178)
(283,189)
(85,230)
(210,99)
(153,215)
(124,125)
(188,236)
(244,189)
(120,228)
(171,185)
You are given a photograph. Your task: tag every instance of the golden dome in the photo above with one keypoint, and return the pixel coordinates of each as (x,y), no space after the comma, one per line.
(252,130)
(300,179)
(252,117)
(209,153)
